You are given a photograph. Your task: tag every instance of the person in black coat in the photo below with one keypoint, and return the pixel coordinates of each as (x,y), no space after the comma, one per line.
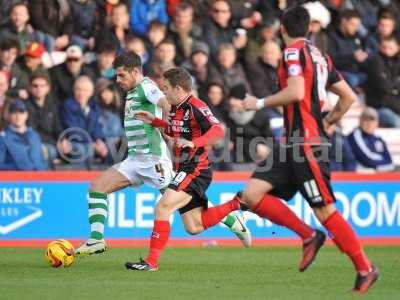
(383,88)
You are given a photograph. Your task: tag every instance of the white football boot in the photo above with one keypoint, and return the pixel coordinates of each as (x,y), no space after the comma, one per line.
(240,229)
(90,247)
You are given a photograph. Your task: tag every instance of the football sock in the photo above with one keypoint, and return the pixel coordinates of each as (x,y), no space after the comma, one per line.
(273,209)
(158,241)
(97,214)
(214,215)
(229,220)
(345,238)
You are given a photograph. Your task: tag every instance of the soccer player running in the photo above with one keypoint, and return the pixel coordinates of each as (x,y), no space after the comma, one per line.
(192,128)
(148,160)
(304,76)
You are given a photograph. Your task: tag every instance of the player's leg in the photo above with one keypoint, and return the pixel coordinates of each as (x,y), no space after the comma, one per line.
(197,217)
(319,194)
(170,201)
(113,179)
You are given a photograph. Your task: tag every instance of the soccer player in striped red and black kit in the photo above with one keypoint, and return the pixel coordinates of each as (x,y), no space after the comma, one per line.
(305,75)
(192,128)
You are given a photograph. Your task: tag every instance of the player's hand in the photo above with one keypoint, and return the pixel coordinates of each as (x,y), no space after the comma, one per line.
(328,127)
(250,102)
(183,143)
(144,116)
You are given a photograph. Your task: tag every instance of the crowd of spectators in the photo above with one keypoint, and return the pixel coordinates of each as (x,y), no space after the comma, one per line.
(60,106)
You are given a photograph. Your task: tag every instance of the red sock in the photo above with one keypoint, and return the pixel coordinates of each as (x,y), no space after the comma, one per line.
(346,240)
(214,215)
(273,209)
(158,241)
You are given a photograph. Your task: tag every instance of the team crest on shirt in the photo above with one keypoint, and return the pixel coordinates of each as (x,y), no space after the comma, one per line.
(186,116)
(205,111)
(292,54)
(294,70)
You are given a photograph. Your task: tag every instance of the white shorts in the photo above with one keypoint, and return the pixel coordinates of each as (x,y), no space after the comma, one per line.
(150,170)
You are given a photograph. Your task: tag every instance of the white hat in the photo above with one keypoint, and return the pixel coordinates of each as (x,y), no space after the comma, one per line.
(318,12)
(74,51)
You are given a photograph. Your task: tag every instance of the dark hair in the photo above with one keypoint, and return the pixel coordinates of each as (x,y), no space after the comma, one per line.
(385,13)
(106,46)
(296,21)
(157,25)
(39,74)
(166,41)
(129,60)
(392,37)
(19,3)
(348,14)
(9,43)
(179,77)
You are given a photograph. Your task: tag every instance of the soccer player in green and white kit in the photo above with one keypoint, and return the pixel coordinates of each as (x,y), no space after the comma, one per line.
(148,160)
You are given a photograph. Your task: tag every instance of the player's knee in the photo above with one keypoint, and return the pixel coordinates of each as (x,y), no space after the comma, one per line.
(97,186)
(251,198)
(163,209)
(324,212)
(193,229)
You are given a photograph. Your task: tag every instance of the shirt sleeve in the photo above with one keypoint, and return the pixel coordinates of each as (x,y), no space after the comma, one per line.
(210,126)
(292,62)
(152,92)
(333,74)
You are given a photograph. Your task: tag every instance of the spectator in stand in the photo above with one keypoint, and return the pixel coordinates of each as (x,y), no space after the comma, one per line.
(106,51)
(218,30)
(347,48)
(83,14)
(20,145)
(9,49)
(19,26)
(184,32)
(163,59)
(5,8)
(32,62)
(383,88)
(82,111)
(54,19)
(275,8)
(110,102)
(341,157)
(387,25)
(264,72)
(137,45)
(229,70)
(369,149)
(118,28)
(216,100)
(4,100)
(249,130)
(45,119)
(267,31)
(319,20)
(156,34)
(64,75)
(142,12)
(198,66)
(103,12)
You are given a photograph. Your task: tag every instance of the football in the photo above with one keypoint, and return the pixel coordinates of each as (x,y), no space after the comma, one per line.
(60,253)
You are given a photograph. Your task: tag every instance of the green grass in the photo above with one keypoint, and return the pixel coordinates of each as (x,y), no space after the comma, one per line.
(195,273)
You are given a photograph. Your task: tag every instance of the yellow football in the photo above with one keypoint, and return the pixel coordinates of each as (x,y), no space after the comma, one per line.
(60,253)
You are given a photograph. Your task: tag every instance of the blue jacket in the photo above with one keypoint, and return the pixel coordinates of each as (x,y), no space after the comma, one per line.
(341,157)
(142,12)
(111,123)
(21,151)
(72,115)
(370,150)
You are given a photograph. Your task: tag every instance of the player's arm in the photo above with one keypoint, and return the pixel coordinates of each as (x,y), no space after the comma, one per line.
(210,125)
(346,98)
(149,118)
(165,106)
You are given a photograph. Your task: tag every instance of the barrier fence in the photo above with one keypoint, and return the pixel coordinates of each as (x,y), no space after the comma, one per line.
(39,206)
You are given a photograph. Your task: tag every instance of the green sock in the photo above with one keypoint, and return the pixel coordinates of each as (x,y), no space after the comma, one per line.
(229,220)
(97,214)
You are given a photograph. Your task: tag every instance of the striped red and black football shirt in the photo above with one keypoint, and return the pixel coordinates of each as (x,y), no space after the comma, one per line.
(303,120)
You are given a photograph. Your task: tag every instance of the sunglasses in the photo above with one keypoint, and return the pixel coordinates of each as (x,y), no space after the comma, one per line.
(73,59)
(221,11)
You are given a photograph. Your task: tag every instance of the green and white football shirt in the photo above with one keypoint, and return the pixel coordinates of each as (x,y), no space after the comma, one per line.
(144,138)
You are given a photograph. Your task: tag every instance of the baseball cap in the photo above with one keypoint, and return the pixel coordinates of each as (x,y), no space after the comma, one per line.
(35,50)
(200,47)
(17,105)
(74,51)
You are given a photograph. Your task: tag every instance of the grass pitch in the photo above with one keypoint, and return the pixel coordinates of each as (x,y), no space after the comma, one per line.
(195,273)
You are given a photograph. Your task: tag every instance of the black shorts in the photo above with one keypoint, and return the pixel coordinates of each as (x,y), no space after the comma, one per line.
(195,184)
(301,168)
